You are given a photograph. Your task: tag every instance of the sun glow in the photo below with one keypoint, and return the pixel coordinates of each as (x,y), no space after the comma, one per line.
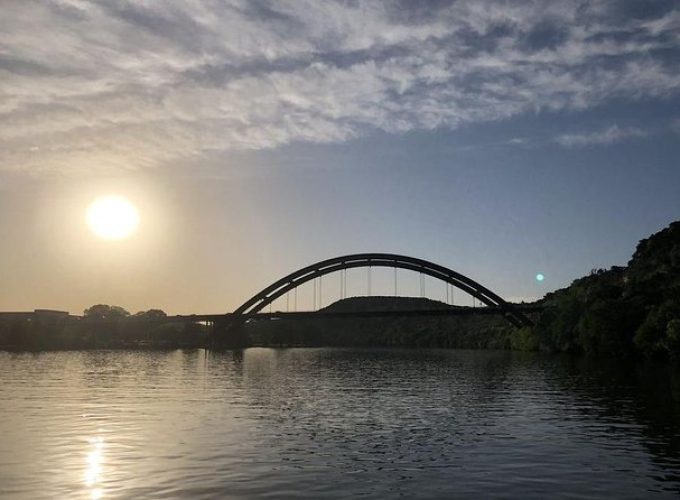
(112,217)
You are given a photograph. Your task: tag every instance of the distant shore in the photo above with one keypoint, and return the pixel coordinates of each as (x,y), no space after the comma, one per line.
(49,330)
(623,311)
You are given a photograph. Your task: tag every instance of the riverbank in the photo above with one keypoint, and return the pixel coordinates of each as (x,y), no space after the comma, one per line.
(624,311)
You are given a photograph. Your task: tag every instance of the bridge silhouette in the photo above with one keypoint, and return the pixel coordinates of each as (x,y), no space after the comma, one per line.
(227,327)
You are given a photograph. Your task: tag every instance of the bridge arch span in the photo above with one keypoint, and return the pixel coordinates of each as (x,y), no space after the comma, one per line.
(297,278)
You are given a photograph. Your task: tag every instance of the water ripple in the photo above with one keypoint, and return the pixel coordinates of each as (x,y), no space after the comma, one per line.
(334,423)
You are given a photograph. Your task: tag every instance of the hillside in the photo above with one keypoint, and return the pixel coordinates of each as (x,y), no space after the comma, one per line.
(624,310)
(379,303)
(465,331)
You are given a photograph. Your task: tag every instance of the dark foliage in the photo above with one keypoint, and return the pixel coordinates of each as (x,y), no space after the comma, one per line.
(464,332)
(623,310)
(101,327)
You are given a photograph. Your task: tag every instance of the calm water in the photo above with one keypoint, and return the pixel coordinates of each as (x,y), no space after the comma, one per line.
(334,423)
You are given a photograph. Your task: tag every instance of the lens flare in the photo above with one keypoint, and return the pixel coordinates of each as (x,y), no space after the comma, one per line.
(540,277)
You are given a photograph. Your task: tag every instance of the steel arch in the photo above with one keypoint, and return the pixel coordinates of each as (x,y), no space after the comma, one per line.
(297,278)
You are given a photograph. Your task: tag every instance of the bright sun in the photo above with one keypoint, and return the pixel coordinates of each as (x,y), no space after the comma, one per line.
(112,217)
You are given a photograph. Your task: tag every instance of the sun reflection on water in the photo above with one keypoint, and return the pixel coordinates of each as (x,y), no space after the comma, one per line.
(93,472)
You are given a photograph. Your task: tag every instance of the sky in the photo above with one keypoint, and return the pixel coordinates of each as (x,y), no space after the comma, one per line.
(500,139)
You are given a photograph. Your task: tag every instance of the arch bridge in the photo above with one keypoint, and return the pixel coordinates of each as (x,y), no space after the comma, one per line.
(279,288)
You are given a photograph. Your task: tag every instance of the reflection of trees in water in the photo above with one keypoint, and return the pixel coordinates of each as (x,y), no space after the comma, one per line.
(218,373)
(462,332)
(620,393)
(377,406)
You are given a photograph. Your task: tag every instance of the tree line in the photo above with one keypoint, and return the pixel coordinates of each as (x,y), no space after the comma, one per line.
(631,310)
(102,326)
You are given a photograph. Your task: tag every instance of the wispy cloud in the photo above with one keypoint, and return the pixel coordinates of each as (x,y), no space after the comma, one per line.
(600,137)
(675,126)
(130,84)
(517,141)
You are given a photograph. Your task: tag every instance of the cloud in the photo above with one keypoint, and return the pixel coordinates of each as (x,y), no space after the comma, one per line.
(675,126)
(517,141)
(128,84)
(601,137)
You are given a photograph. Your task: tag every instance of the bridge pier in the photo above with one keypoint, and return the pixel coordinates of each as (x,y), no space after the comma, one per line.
(228,334)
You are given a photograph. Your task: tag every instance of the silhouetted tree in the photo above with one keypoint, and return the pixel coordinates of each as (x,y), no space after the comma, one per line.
(103,311)
(151,314)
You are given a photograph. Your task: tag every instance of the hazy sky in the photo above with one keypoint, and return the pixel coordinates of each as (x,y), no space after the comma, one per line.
(501,139)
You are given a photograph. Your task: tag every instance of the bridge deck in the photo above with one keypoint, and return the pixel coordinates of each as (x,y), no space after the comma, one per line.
(453,311)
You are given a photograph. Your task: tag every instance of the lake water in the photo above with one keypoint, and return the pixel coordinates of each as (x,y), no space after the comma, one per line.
(335,423)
